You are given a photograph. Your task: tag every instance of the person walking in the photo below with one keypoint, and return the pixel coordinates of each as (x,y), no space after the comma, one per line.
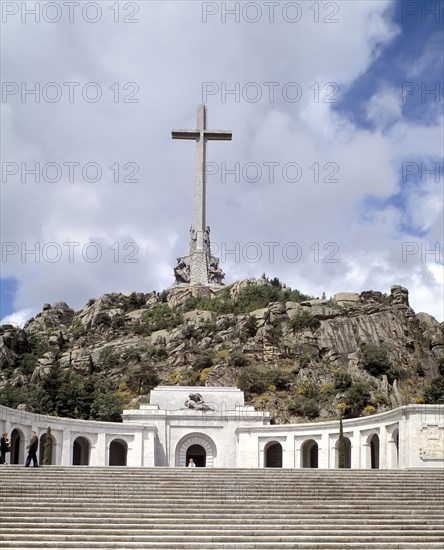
(4,447)
(32,451)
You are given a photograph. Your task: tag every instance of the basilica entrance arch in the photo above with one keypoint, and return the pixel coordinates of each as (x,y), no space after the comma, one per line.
(199,447)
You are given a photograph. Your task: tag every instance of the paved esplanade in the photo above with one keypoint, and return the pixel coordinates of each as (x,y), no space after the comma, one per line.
(199,267)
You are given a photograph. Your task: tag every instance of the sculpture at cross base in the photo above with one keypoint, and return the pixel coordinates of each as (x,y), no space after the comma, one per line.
(199,267)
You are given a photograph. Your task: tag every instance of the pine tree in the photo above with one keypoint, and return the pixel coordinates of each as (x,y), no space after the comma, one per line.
(47,448)
(341,445)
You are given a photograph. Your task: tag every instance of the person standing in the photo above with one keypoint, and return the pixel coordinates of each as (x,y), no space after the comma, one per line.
(32,451)
(191,463)
(4,447)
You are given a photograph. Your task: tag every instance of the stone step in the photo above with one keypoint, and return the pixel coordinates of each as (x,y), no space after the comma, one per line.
(192,537)
(51,523)
(66,526)
(229,546)
(123,508)
(216,531)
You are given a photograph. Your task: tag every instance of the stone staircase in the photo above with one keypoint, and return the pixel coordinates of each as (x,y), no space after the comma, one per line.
(163,508)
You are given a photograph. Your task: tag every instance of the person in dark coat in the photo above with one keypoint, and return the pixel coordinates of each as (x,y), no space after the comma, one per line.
(32,451)
(4,447)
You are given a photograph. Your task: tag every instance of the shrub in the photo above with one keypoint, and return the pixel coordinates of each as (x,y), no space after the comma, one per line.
(204,375)
(11,396)
(159,317)
(78,330)
(434,393)
(254,380)
(108,358)
(142,379)
(304,320)
(203,361)
(280,378)
(309,390)
(369,409)
(221,355)
(327,390)
(375,360)
(357,397)
(135,301)
(249,330)
(304,406)
(190,378)
(343,380)
(238,359)
(156,352)
(107,407)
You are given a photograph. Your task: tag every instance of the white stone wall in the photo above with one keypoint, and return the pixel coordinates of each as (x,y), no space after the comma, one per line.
(240,436)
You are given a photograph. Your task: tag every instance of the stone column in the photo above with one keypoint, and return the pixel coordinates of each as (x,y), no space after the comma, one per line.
(66,451)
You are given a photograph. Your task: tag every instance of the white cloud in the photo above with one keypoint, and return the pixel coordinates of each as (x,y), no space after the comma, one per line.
(384,108)
(18,318)
(169,54)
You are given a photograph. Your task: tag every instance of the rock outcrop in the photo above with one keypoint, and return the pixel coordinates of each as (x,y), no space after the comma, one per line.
(311,340)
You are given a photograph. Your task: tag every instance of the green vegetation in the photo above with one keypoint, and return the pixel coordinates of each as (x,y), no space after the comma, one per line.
(434,393)
(27,362)
(158,317)
(135,301)
(256,380)
(47,450)
(203,361)
(343,380)
(250,298)
(357,397)
(304,406)
(376,361)
(249,330)
(303,321)
(66,393)
(238,359)
(108,358)
(141,379)
(341,445)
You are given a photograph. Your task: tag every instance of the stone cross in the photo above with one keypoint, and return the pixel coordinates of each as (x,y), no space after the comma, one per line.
(201,135)
(199,258)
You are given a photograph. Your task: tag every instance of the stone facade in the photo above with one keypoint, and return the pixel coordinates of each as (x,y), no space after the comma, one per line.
(213,425)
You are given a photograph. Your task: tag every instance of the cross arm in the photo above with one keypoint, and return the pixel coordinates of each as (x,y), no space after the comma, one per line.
(185,134)
(218,135)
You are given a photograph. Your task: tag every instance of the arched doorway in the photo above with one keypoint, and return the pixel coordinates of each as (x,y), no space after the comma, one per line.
(118,450)
(347,453)
(310,451)
(192,442)
(81,451)
(42,445)
(374,451)
(273,455)
(198,454)
(17,454)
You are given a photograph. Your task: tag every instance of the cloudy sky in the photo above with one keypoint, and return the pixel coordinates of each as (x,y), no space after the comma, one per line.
(333,180)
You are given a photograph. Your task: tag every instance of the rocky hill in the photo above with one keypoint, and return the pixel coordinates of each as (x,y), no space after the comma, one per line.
(295,356)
